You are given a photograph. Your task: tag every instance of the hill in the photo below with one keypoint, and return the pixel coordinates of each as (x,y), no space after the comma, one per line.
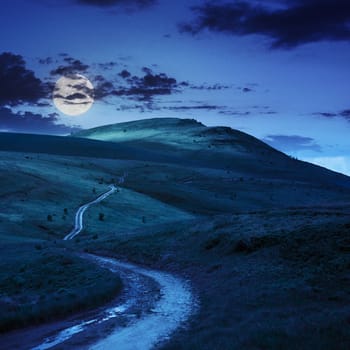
(262,237)
(196,168)
(245,172)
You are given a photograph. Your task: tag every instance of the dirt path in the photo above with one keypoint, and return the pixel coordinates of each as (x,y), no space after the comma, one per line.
(78,224)
(153,304)
(172,309)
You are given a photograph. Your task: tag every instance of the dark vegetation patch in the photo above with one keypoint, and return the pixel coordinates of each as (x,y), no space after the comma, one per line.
(265,280)
(247,245)
(321,255)
(39,283)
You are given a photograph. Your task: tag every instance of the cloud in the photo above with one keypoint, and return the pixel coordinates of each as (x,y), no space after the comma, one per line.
(232,113)
(199,107)
(130,4)
(345,114)
(250,111)
(46,60)
(208,87)
(290,143)
(73,66)
(102,87)
(18,84)
(215,87)
(140,88)
(124,74)
(296,23)
(32,123)
(342,114)
(108,65)
(327,114)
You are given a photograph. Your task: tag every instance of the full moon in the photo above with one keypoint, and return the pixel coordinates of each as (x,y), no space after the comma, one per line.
(73,94)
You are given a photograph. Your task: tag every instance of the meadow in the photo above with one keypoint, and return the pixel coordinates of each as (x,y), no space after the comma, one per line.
(263,238)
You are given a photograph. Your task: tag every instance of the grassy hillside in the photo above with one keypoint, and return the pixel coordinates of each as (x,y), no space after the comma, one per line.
(40,194)
(263,237)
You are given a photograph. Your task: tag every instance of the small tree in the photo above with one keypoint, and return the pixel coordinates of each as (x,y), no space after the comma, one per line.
(101,216)
(49,217)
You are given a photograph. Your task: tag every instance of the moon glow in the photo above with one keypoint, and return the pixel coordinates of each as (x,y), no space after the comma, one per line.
(73,95)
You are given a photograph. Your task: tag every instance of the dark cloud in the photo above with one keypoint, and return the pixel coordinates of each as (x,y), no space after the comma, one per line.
(46,60)
(207,86)
(84,90)
(214,87)
(32,123)
(345,114)
(108,65)
(297,23)
(199,107)
(157,81)
(102,87)
(76,95)
(290,143)
(130,4)
(155,107)
(73,66)
(147,70)
(124,74)
(140,88)
(233,113)
(17,83)
(342,114)
(140,108)
(327,115)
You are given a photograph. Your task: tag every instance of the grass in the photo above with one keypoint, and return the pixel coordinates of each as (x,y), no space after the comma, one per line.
(39,282)
(37,210)
(262,238)
(264,296)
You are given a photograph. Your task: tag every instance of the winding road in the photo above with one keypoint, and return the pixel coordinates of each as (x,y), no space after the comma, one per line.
(78,226)
(151,307)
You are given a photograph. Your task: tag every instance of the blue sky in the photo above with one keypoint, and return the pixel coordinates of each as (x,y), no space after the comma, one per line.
(278,70)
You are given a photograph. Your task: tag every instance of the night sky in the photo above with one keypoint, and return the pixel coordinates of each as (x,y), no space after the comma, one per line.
(277,69)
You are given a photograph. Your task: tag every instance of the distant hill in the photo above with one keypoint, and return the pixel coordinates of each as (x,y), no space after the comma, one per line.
(188,141)
(196,168)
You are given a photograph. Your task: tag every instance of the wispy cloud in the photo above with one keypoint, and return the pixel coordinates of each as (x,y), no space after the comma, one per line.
(341,114)
(291,143)
(71,66)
